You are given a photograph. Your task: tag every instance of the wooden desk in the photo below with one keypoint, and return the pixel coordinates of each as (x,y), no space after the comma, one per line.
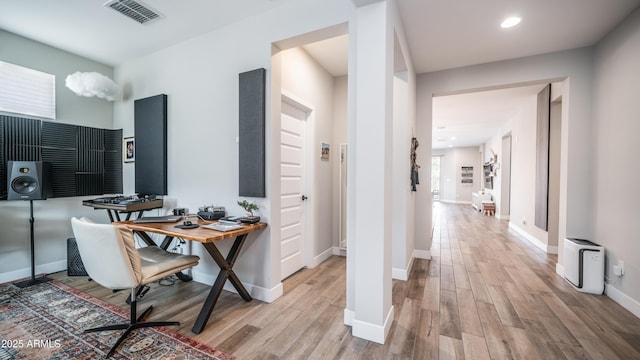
(207,237)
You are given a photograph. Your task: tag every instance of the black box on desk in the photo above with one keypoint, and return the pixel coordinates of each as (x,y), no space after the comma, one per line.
(75,266)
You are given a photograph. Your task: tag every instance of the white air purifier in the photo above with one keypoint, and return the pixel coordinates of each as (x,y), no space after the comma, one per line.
(584,265)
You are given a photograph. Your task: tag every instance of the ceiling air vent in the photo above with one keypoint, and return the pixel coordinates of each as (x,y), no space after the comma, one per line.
(134,10)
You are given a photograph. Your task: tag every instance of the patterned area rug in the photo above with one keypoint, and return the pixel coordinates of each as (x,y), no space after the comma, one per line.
(46,321)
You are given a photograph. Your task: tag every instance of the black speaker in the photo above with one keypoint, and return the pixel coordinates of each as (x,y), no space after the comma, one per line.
(75,266)
(28,180)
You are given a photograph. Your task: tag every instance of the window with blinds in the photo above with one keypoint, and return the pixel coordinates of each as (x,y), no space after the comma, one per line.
(27,91)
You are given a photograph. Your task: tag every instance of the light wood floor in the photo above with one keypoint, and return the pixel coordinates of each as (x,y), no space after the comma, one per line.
(486,293)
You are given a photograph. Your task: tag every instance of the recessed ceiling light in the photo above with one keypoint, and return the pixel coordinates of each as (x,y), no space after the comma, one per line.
(453,138)
(510,22)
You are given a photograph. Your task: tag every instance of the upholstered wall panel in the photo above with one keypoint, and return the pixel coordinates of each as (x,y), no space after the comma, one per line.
(542,159)
(252,133)
(59,148)
(113,161)
(151,145)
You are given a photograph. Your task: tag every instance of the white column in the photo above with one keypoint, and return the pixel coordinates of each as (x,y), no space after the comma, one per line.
(370,249)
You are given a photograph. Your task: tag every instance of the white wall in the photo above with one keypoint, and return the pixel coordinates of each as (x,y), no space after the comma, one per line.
(340,119)
(403,129)
(576,184)
(523,171)
(200,77)
(308,82)
(616,129)
(52,217)
(451,160)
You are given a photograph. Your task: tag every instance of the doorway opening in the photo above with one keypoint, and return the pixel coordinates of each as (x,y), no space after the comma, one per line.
(435,178)
(311,70)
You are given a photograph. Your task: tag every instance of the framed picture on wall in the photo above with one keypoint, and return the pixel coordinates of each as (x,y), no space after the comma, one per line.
(324,151)
(129,149)
(466,174)
(488,175)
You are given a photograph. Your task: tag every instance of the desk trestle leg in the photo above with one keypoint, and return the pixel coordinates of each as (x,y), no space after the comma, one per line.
(226,272)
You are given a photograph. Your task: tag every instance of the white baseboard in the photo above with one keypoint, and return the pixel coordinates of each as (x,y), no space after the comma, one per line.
(533,240)
(422,254)
(40,269)
(339,251)
(373,332)
(402,274)
(348,317)
(456,202)
(322,257)
(256,292)
(399,274)
(560,270)
(623,299)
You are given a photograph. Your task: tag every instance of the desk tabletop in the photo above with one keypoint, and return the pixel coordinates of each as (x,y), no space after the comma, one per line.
(200,234)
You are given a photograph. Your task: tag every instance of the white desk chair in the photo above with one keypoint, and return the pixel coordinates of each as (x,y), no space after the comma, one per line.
(111,259)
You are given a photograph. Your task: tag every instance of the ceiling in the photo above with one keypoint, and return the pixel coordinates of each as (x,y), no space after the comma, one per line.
(444,34)
(471,119)
(89,29)
(441,34)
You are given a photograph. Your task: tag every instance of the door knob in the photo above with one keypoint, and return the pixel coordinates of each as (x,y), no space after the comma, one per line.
(304,198)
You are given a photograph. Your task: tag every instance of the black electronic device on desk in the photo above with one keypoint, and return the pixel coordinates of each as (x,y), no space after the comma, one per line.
(157,219)
(124,204)
(187,225)
(240,219)
(211,212)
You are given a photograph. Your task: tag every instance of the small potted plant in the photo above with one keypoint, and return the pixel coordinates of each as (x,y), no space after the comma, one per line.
(249,207)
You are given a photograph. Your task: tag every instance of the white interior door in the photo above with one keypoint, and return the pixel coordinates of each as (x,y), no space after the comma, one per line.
(292,184)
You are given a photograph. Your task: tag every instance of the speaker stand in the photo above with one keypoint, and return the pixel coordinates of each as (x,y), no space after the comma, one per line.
(33,281)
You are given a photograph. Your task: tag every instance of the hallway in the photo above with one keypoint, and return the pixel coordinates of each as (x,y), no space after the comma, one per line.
(498,296)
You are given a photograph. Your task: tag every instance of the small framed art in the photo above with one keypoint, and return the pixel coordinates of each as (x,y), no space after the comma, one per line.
(324,151)
(129,149)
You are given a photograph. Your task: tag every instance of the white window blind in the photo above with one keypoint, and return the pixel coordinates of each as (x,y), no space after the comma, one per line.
(27,91)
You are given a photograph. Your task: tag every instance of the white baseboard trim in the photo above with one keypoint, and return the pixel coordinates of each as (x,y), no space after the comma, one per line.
(339,251)
(373,332)
(399,274)
(533,240)
(623,299)
(348,317)
(503,217)
(402,274)
(456,202)
(322,257)
(422,254)
(560,270)
(48,268)
(256,292)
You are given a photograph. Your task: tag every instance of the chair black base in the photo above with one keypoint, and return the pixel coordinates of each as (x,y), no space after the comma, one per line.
(32,281)
(135,323)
